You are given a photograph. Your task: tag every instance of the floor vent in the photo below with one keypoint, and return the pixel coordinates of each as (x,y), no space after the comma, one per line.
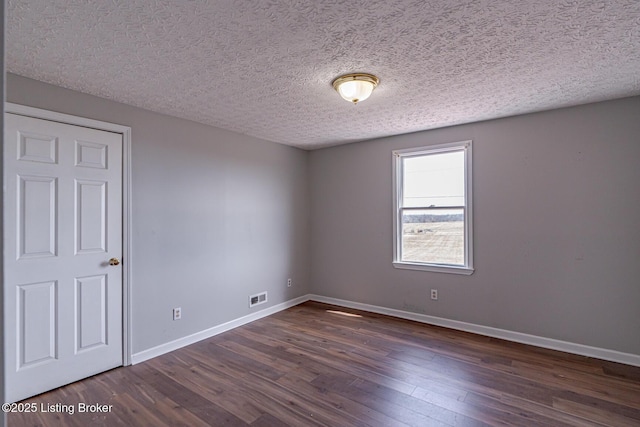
(257,299)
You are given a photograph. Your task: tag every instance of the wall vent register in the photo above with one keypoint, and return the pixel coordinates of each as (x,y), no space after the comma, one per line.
(257,299)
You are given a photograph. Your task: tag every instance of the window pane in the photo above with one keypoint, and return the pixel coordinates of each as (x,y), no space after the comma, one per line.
(434,180)
(433,236)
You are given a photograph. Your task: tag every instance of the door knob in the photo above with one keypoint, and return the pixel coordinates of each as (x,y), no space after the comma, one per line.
(114,261)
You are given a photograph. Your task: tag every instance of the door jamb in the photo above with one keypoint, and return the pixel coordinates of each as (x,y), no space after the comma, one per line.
(125,131)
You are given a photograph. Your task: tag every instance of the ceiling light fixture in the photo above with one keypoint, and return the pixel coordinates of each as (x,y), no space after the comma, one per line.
(355,87)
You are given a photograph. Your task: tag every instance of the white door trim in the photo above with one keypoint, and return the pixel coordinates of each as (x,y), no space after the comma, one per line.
(127,235)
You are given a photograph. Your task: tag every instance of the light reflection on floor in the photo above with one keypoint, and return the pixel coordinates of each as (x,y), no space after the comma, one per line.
(343,313)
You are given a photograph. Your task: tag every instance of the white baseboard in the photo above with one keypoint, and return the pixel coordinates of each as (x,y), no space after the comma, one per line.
(207,333)
(568,347)
(550,343)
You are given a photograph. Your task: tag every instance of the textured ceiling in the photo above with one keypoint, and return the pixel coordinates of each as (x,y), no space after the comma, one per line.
(265,67)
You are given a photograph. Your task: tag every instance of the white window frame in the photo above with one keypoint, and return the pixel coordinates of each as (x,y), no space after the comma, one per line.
(398,185)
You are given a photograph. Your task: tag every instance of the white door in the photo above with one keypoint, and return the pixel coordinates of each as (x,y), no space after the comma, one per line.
(63,224)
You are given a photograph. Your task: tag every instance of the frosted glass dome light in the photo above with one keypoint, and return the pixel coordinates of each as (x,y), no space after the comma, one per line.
(355,87)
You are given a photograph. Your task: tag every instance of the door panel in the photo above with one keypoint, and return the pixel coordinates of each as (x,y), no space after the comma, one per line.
(63,221)
(91,212)
(91,155)
(37,148)
(37,201)
(91,315)
(37,328)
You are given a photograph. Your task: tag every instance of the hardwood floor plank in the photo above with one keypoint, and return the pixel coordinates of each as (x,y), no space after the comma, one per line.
(494,412)
(337,362)
(355,339)
(552,413)
(444,395)
(268,420)
(392,410)
(299,364)
(598,386)
(218,389)
(321,365)
(593,413)
(306,406)
(437,412)
(131,410)
(322,359)
(339,402)
(202,408)
(282,405)
(237,362)
(601,405)
(490,379)
(619,370)
(177,415)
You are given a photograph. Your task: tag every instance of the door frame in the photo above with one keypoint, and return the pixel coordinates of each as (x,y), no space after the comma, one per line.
(125,131)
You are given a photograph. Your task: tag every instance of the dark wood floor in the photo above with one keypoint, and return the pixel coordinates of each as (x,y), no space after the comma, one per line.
(319,365)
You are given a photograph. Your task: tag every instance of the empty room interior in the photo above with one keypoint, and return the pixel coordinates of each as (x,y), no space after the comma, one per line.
(321,213)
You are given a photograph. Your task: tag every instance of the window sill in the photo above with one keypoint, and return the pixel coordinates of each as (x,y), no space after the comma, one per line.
(434,268)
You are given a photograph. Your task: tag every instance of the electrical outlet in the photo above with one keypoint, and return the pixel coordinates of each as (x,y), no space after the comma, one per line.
(177,313)
(434,294)
(288,283)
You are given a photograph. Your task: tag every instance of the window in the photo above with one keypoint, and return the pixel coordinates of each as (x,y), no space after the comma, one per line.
(432,208)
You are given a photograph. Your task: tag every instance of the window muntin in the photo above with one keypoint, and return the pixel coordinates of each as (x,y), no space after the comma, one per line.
(432,211)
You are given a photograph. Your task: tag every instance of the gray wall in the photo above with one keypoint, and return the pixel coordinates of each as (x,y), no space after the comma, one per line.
(556,219)
(217,216)
(3,416)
